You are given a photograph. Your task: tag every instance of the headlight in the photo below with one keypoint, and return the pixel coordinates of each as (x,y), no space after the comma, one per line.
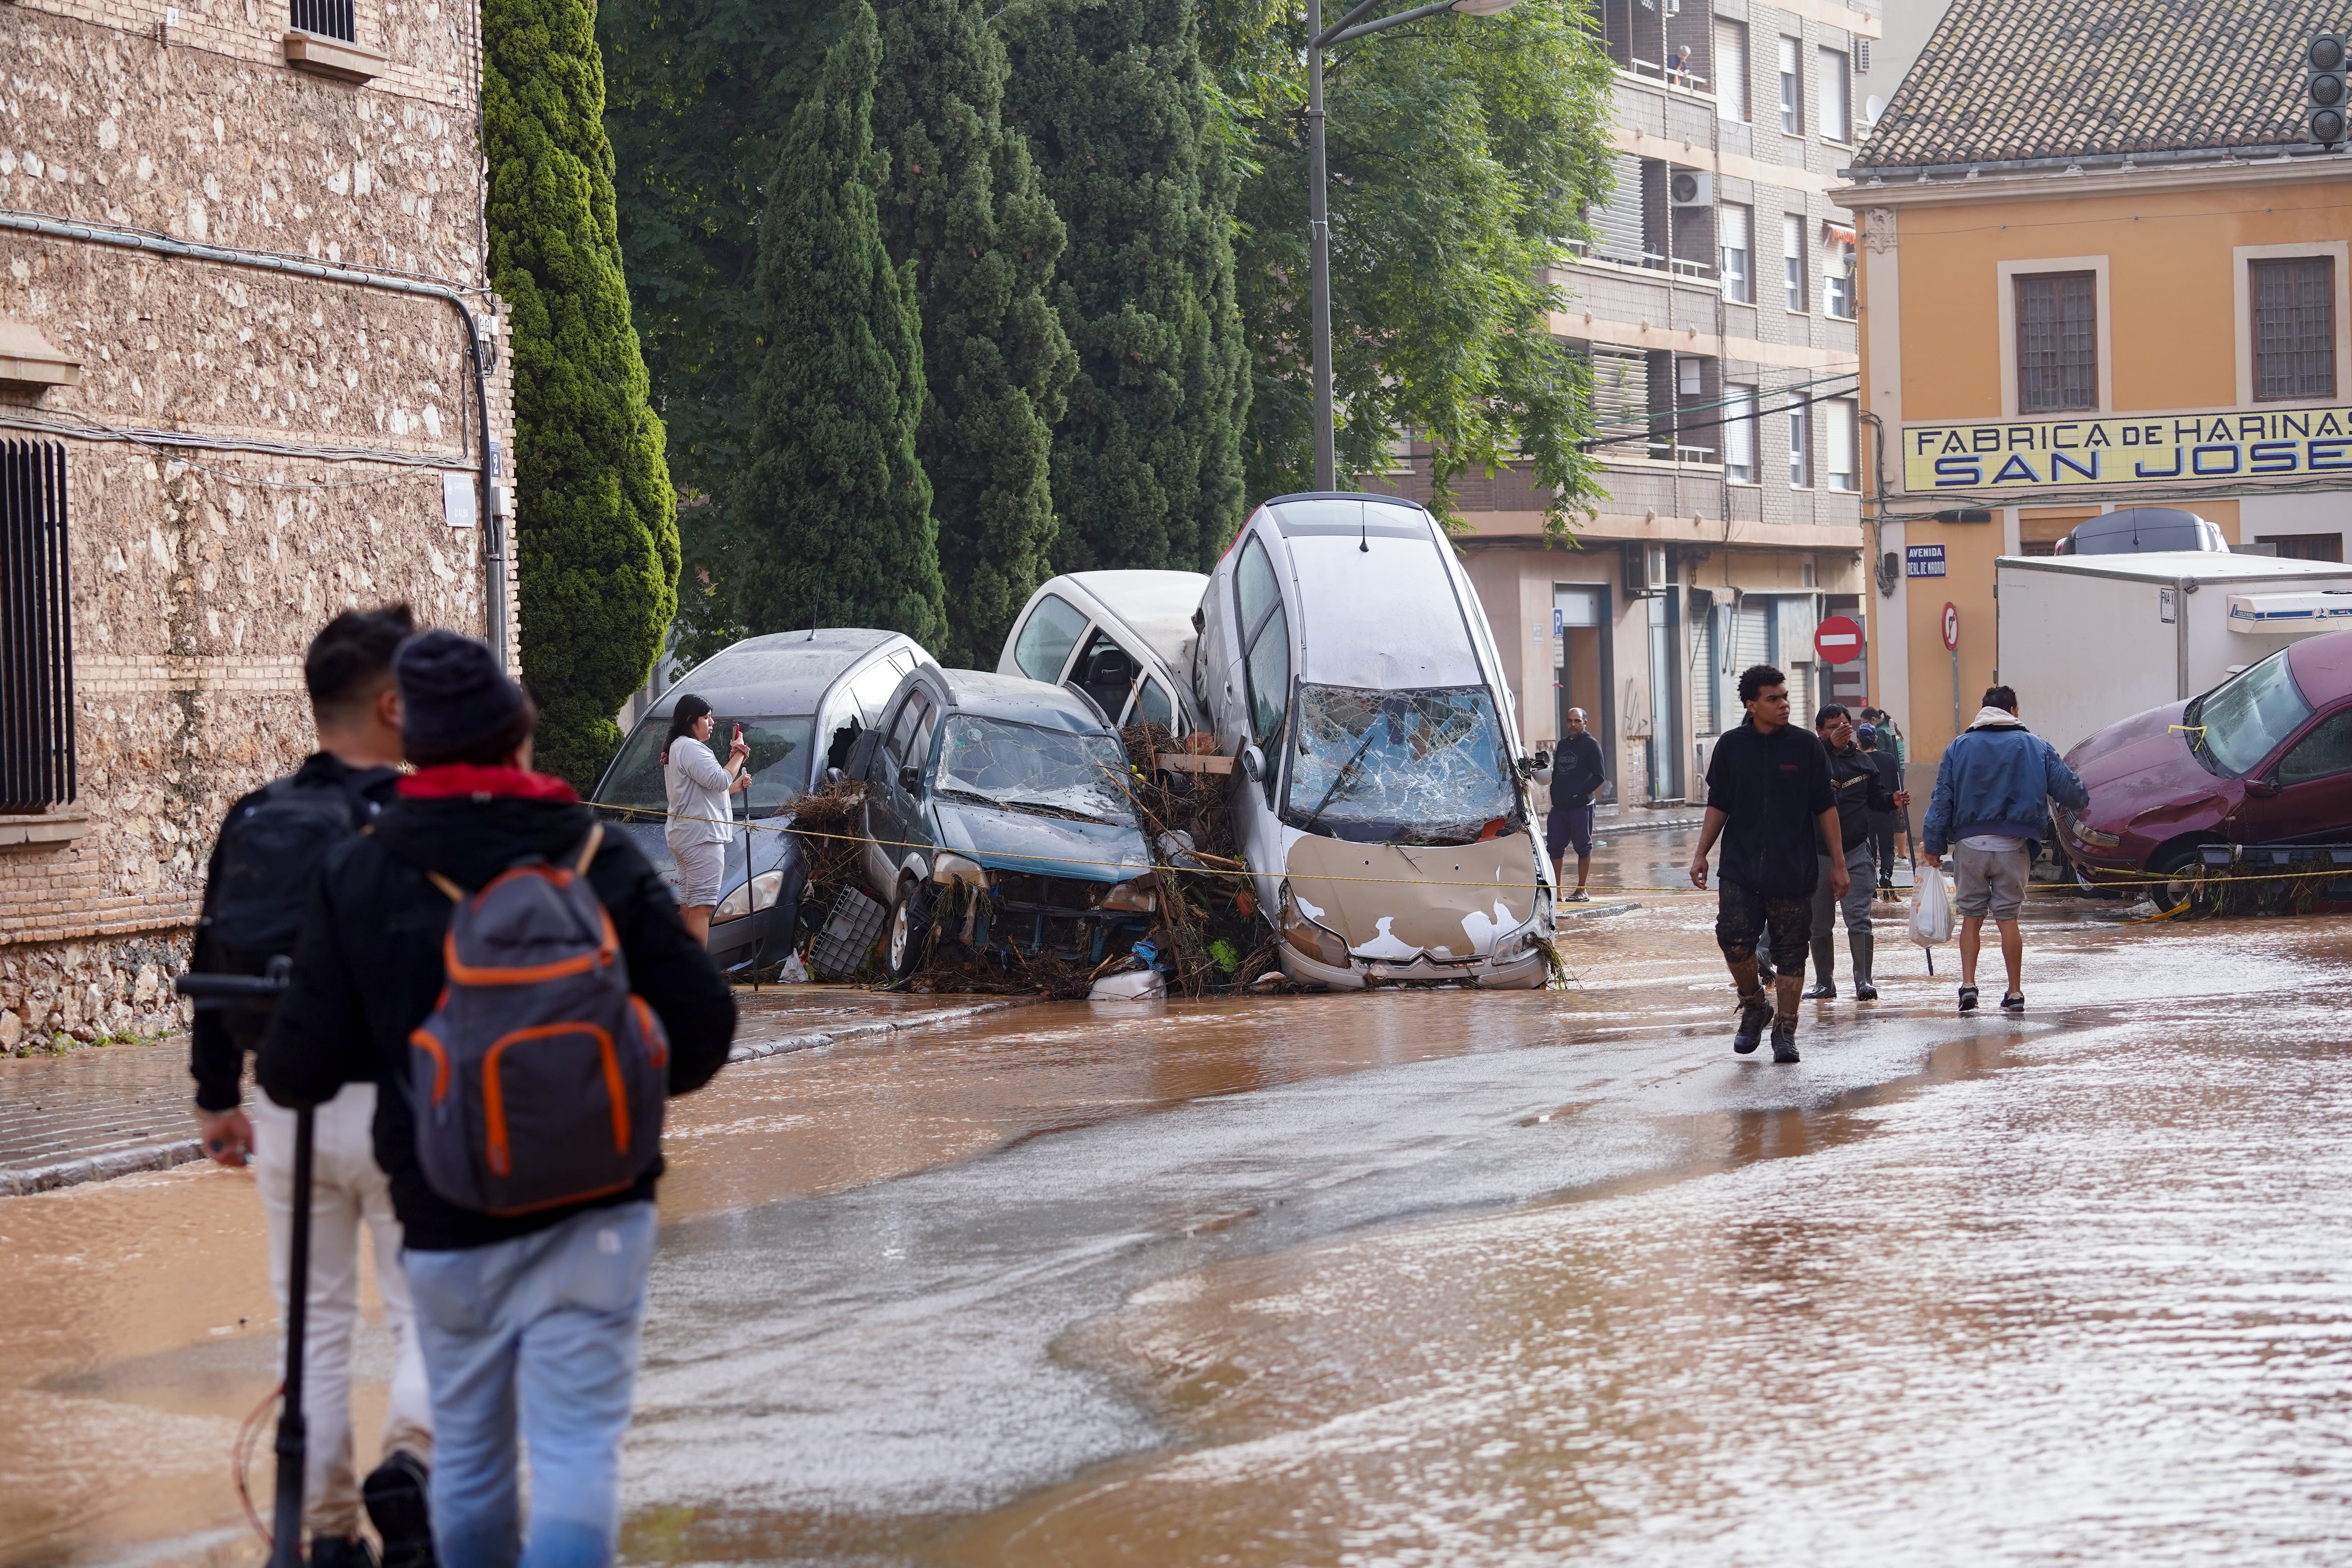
(1302,931)
(1136,896)
(2091,835)
(759,893)
(947,868)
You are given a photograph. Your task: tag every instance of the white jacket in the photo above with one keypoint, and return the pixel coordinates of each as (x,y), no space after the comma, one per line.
(699,811)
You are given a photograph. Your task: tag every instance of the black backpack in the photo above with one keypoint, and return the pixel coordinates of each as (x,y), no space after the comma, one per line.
(271,845)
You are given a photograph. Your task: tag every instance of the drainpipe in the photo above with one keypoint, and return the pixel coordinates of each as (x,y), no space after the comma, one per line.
(494,580)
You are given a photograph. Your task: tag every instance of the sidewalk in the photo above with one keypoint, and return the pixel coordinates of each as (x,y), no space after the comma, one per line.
(92,1115)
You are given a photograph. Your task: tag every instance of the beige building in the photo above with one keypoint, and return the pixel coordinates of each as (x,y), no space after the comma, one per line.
(244,326)
(1717,303)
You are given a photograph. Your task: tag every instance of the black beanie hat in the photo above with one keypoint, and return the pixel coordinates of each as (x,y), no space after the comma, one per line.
(453,697)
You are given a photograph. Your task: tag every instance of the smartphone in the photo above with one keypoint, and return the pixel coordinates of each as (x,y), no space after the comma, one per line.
(739,731)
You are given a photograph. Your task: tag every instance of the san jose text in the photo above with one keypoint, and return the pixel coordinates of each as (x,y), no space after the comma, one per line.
(2179,449)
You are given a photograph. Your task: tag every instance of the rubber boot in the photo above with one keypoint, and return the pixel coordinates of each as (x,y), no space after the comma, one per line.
(1824,970)
(1862,942)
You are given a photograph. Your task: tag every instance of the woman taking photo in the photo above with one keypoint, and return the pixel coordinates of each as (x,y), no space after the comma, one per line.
(701,824)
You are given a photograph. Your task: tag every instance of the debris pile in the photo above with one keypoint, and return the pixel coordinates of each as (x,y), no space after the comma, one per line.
(1208,933)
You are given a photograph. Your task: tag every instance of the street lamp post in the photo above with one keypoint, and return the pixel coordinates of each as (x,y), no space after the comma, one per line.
(1318,214)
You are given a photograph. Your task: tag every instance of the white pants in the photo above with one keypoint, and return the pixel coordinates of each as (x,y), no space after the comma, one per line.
(348,1194)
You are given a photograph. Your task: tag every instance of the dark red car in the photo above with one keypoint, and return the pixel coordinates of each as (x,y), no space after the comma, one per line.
(2263,758)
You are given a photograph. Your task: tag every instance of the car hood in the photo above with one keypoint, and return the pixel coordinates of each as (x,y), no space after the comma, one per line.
(2132,748)
(1394,903)
(2144,780)
(1042,846)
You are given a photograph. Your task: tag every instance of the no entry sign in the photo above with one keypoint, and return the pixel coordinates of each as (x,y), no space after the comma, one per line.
(1838,639)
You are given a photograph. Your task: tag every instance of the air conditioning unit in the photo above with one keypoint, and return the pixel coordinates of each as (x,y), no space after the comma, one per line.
(1690,188)
(1647,570)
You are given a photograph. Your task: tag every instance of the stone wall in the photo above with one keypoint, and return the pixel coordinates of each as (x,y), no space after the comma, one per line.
(314,422)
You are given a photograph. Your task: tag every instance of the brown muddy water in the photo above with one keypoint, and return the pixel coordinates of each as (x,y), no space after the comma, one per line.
(1407,1278)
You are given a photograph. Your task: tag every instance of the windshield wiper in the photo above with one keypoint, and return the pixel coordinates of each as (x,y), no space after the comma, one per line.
(1042,809)
(1345,769)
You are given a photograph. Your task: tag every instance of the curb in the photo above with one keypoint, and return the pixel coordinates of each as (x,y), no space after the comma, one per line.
(186,1151)
(784,1044)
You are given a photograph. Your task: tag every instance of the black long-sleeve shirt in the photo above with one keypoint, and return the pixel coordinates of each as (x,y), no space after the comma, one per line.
(1862,789)
(1576,771)
(368,971)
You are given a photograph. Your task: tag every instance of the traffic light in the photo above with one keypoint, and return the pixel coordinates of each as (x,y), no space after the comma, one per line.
(2324,89)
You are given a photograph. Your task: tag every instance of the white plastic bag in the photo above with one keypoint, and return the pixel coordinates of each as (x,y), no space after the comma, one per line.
(1931,908)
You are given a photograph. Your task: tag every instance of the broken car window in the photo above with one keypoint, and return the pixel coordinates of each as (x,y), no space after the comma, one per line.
(1021,767)
(778,762)
(1399,767)
(2245,718)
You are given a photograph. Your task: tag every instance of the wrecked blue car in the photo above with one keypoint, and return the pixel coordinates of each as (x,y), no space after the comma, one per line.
(1016,791)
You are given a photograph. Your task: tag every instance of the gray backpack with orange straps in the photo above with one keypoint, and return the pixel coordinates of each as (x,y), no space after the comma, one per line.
(540,1078)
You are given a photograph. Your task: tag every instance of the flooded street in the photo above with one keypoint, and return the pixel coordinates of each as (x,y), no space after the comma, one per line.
(1495,1278)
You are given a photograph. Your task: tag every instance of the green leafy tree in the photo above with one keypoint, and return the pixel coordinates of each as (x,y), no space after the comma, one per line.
(964,209)
(596,528)
(1462,153)
(1122,119)
(832,512)
(700,92)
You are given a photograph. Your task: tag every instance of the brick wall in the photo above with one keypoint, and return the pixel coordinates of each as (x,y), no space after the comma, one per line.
(201,567)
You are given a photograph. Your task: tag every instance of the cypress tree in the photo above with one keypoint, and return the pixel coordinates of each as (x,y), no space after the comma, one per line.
(832,506)
(1119,115)
(964,209)
(596,524)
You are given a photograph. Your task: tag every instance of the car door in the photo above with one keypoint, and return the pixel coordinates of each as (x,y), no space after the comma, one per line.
(887,801)
(2306,792)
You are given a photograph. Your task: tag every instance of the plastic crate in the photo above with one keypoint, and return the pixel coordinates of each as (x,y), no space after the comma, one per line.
(852,926)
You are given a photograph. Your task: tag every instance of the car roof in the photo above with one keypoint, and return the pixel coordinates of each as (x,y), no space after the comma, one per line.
(1156,606)
(1359,574)
(780,673)
(988,695)
(2322,666)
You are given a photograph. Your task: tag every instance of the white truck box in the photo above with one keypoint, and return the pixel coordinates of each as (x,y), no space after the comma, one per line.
(2087,640)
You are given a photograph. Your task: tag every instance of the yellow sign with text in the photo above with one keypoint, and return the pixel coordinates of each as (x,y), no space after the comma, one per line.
(2138,450)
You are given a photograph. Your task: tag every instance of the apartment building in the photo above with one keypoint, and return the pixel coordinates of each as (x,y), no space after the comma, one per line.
(1715,301)
(247,358)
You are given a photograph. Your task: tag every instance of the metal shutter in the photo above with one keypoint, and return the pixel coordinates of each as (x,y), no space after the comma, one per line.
(36,715)
(1617,222)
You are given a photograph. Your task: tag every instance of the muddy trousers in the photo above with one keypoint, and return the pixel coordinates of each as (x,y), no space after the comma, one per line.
(349,1195)
(1861,862)
(1740,913)
(532,1343)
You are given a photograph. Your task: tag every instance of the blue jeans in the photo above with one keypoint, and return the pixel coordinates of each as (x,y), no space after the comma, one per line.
(544,1327)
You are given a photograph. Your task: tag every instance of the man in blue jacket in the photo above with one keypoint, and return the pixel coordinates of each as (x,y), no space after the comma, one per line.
(1992,793)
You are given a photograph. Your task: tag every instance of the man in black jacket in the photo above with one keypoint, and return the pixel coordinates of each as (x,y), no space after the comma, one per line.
(1768,784)
(1575,776)
(526,1319)
(1862,796)
(348,675)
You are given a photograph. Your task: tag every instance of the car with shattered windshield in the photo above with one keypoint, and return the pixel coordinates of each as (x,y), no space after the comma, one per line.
(802,698)
(1379,799)
(2264,758)
(1001,803)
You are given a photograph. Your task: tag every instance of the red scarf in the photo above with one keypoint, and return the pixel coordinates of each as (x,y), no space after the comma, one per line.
(455,779)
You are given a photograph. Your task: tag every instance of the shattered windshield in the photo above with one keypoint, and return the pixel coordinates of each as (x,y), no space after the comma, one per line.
(1021,767)
(2244,718)
(1403,767)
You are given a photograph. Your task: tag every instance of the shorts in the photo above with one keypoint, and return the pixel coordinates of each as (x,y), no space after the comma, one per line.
(1741,913)
(701,867)
(1992,881)
(1568,826)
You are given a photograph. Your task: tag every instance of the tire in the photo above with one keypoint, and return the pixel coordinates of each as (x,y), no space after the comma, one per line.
(2178,864)
(907,939)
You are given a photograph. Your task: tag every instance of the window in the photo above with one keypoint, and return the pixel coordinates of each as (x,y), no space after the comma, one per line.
(2304,546)
(1734,238)
(1801,448)
(1739,435)
(37,689)
(1731,71)
(1044,644)
(1837,277)
(2057,341)
(2295,327)
(911,716)
(1792,86)
(2324,754)
(327,18)
(1837,96)
(1792,260)
(1265,652)
(1840,445)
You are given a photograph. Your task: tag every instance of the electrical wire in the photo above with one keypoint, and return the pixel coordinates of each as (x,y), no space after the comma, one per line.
(241,1462)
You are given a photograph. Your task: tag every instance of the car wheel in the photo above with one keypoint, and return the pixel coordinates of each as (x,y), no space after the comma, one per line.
(909,935)
(2178,867)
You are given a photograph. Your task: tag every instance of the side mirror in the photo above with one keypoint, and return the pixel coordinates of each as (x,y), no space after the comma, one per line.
(1253,765)
(2263,789)
(910,779)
